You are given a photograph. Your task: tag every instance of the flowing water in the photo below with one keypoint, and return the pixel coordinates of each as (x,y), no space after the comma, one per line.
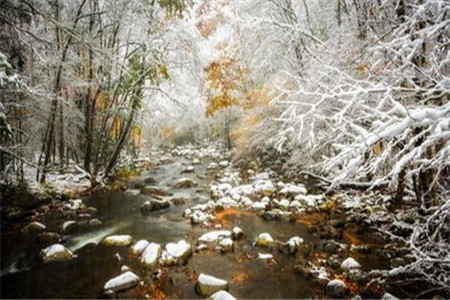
(24,276)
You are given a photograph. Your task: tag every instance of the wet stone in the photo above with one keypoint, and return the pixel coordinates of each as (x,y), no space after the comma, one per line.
(122,282)
(69,227)
(336,289)
(49,238)
(34,227)
(56,253)
(208,285)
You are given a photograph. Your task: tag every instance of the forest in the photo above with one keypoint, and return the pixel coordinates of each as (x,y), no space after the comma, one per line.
(225,149)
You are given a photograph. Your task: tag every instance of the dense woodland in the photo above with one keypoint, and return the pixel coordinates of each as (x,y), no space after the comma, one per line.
(353,93)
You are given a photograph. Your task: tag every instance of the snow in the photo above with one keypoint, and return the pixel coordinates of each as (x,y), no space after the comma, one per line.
(214,236)
(121,282)
(151,254)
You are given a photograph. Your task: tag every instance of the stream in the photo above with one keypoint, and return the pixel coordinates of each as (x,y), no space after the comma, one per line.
(23,275)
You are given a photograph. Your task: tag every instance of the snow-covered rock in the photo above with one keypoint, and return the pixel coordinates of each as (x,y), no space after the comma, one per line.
(151,254)
(69,226)
(212,166)
(259,206)
(226,245)
(309,200)
(227,202)
(294,243)
(261,176)
(222,295)
(118,240)
(122,282)
(387,296)
(264,187)
(293,190)
(188,169)
(176,253)
(198,217)
(294,205)
(208,285)
(336,289)
(224,163)
(214,236)
(284,204)
(350,264)
(56,252)
(264,240)
(33,227)
(139,247)
(237,233)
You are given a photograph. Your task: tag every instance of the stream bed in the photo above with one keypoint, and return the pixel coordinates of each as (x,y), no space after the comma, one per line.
(23,275)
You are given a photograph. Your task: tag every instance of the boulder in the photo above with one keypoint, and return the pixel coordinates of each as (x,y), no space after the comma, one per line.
(198,217)
(226,245)
(264,187)
(139,247)
(160,204)
(118,240)
(237,233)
(188,169)
(151,254)
(33,227)
(259,206)
(350,264)
(179,201)
(149,180)
(224,163)
(69,226)
(154,190)
(284,204)
(56,252)
(208,285)
(387,296)
(184,183)
(294,244)
(336,289)
(176,253)
(49,238)
(222,295)
(122,282)
(214,236)
(95,223)
(154,205)
(264,240)
(293,190)
(212,166)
